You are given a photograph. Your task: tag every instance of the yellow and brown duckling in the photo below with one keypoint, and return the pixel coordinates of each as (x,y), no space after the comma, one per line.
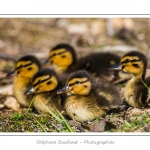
(45,84)
(86,99)
(25,68)
(135,93)
(63,59)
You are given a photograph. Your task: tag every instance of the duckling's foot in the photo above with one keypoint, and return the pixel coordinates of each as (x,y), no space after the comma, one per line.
(35,111)
(126,105)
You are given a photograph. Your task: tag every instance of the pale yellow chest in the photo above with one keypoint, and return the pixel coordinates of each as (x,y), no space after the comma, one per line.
(130,93)
(19,88)
(82,109)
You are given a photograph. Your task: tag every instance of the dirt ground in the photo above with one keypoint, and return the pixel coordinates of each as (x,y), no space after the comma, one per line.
(36,36)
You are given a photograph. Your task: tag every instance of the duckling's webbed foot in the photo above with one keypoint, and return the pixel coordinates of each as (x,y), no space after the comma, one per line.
(126,105)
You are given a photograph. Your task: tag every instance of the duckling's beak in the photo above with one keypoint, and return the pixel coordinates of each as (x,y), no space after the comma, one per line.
(29,91)
(12,74)
(64,90)
(116,67)
(46,61)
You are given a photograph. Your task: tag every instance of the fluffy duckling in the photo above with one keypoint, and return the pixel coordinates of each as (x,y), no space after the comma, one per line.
(44,85)
(63,59)
(135,93)
(25,68)
(86,99)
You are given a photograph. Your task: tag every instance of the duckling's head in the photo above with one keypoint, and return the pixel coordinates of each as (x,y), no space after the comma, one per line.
(79,83)
(44,80)
(133,62)
(26,66)
(61,57)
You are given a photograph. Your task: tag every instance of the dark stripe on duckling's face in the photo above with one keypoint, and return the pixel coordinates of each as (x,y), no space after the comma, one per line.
(23,65)
(128,60)
(41,81)
(77,82)
(56,53)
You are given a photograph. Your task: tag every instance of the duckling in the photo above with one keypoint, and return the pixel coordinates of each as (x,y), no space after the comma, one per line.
(25,68)
(44,85)
(97,64)
(87,99)
(135,93)
(63,59)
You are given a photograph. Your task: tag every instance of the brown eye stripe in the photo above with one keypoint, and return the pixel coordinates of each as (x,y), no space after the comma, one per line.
(40,82)
(24,65)
(127,60)
(78,83)
(57,54)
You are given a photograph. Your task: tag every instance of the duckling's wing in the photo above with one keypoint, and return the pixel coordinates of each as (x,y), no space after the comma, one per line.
(109,95)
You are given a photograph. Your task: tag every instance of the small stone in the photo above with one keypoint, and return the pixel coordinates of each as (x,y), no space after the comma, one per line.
(6,90)
(12,103)
(78,29)
(97,27)
(2,106)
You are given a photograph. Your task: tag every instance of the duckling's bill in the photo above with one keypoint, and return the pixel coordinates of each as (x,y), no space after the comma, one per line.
(30,91)
(64,90)
(12,74)
(46,61)
(116,67)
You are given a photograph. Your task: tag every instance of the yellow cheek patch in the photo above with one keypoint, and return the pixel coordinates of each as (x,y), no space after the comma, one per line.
(80,86)
(28,71)
(129,66)
(43,86)
(82,89)
(64,59)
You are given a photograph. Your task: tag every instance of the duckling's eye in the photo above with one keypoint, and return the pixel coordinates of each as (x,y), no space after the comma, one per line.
(77,82)
(18,72)
(127,60)
(63,56)
(49,82)
(40,81)
(54,54)
(21,65)
(30,68)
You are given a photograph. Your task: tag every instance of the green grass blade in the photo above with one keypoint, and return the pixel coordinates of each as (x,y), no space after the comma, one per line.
(30,105)
(39,124)
(61,119)
(145,84)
